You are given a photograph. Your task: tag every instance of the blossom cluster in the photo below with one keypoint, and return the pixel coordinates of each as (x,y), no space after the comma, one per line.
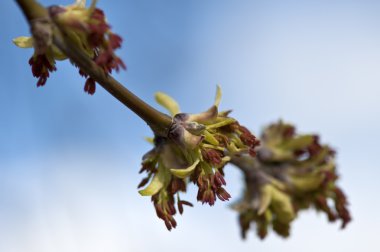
(285,172)
(292,172)
(86,28)
(197,148)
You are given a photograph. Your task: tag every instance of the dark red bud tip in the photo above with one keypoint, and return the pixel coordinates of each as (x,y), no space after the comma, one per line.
(220,178)
(42,80)
(222,194)
(41,66)
(341,207)
(115,41)
(212,156)
(177,185)
(289,132)
(262,234)
(90,86)
(83,74)
(180,207)
(168,225)
(119,62)
(252,152)
(181,203)
(248,139)
(143,182)
(186,203)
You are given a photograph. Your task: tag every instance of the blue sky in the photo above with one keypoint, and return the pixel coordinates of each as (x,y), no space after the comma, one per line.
(69,161)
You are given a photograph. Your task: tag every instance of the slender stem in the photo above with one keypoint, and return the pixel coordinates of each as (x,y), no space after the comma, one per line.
(32,9)
(159,122)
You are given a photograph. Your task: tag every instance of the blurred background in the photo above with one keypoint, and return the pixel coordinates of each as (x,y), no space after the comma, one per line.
(69,161)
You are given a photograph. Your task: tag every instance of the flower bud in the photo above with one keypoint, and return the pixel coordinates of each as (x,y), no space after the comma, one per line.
(197,148)
(291,173)
(85,27)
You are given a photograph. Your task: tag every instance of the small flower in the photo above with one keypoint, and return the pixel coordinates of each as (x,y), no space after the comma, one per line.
(291,173)
(90,86)
(197,148)
(41,66)
(86,27)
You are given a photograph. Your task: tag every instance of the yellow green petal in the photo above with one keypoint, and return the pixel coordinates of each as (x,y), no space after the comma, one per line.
(298,142)
(218,96)
(167,102)
(210,138)
(222,123)
(266,196)
(307,183)
(282,206)
(156,184)
(233,149)
(210,146)
(183,173)
(23,42)
(149,140)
